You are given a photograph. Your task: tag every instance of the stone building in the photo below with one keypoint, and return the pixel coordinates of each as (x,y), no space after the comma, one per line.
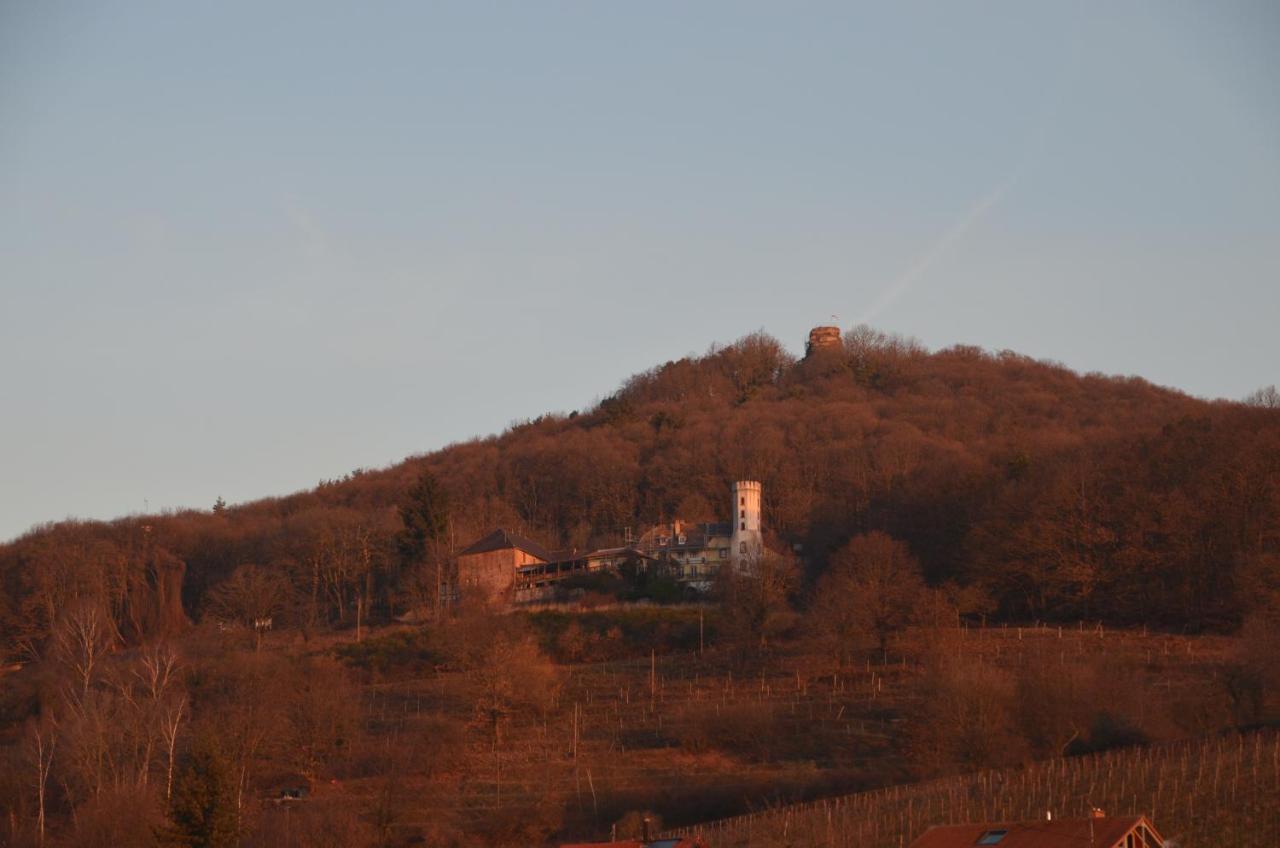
(505,567)
(748,539)
(486,568)
(692,553)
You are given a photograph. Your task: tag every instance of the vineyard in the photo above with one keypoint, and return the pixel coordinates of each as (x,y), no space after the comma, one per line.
(664,732)
(1216,791)
(691,736)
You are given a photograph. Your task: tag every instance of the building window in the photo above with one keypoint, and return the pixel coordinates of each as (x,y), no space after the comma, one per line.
(744,525)
(724,553)
(742,501)
(742,514)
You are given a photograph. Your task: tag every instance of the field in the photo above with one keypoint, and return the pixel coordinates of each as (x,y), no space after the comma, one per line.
(1217,791)
(692,737)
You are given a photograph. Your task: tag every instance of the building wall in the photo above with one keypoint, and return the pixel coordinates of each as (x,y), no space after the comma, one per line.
(490,575)
(700,564)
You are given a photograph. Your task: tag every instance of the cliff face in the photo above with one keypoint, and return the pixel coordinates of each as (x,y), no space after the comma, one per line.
(153,604)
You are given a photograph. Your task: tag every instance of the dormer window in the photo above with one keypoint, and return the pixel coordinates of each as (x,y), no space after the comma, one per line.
(683,538)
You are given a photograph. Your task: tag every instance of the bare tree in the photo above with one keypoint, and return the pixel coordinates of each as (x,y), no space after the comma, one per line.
(81,639)
(171,718)
(252,596)
(1267,398)
(873,588)
(157,670)
(43,740)
(755,599)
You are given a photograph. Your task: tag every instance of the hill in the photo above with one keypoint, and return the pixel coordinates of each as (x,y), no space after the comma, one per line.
(247,675)
(1059,495)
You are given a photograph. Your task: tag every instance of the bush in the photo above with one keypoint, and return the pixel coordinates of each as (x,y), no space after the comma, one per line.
(407,651)
(621,633)
(749,730)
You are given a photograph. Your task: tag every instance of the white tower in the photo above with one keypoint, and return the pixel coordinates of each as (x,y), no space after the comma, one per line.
(748,543)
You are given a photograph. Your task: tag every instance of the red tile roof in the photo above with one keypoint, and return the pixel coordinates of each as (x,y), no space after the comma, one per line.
(1102,832)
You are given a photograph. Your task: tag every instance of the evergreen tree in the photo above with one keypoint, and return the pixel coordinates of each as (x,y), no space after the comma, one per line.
(425,515)
(203,810)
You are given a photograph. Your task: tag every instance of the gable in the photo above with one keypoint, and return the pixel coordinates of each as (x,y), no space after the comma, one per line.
(501,540)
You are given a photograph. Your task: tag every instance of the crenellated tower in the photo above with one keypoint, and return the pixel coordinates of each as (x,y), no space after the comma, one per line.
(748,540)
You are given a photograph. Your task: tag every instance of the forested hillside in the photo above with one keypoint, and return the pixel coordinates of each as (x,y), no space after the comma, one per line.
(238,676)
(1058,495)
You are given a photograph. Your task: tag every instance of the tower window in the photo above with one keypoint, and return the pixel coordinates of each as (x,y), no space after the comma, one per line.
(742,514)
(742,501)
(744,525)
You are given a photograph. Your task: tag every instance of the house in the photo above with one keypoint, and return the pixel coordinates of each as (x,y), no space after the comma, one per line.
(689,553)
(487,567)
(505,567)
(538,581)
(671,842)
(1096,831)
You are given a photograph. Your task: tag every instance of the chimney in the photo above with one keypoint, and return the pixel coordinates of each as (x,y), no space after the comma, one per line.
(644,830)
(1096,813)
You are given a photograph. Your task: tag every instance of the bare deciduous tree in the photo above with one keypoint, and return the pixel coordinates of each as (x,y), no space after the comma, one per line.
(43,740)
(81,639)
(873,588)
(1267,397)
(252,596)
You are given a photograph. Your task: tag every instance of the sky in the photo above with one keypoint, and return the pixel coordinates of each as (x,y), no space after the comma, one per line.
(248,246)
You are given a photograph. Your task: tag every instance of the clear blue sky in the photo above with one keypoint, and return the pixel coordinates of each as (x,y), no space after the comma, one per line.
(247,246)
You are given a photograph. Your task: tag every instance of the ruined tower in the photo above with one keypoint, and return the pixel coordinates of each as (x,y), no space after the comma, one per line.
(748,542)
(822,339)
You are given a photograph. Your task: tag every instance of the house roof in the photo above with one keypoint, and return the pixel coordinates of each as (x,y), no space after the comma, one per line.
(1101,832)
(697,536)
(668,842)
(501,540)
(560,557)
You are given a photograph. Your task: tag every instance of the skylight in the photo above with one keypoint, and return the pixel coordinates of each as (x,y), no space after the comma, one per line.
(991,837)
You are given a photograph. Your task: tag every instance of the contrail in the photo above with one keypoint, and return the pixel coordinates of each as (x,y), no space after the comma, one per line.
(948,238)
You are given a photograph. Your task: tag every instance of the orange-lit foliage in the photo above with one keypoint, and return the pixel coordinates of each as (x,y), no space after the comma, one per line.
(1063,495)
